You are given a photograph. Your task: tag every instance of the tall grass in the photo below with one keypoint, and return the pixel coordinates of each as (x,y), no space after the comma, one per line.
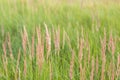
(42,61)
(59,40)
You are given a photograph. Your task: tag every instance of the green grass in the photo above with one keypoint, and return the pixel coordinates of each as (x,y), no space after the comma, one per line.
(71,18)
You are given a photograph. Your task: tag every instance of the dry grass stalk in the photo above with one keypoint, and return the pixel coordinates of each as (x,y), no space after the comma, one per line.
(113,67)
(85,60)
(24,40)
(40,58)
(27,40)
(24,44)
(17,65)
(10,48)
(72,65)
(118,67)
(103,51)
(92,71)
(40,50)
(111,47)
(80,56)
(111,72)
(4,58)
(81,45)
(48,41)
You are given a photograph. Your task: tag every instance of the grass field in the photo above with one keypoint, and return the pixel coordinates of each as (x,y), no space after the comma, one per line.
(59,40)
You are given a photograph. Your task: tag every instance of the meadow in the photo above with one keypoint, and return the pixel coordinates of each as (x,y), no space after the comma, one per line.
(59,40)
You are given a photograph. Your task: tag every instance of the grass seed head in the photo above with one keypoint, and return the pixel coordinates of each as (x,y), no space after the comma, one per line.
(48,41)
(72,66)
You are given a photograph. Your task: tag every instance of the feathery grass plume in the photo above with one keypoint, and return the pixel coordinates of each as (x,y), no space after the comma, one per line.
(40,50)
(111,71)
(57,39)
(27,40)
(118,67)
(17,65)
(92,70)
(113,65)
(86,56)
(111,47)
(48,41)
(72,65)
(111,44)
(10,48)
(24,40)
(103,51)
(97,65)
(4,58)
(80,56)
(24,45)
